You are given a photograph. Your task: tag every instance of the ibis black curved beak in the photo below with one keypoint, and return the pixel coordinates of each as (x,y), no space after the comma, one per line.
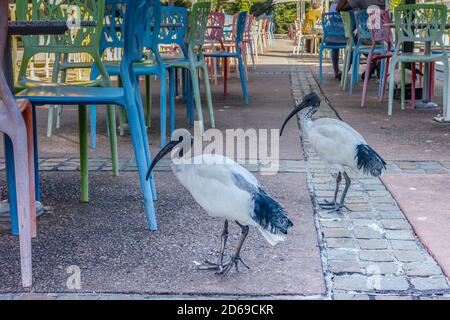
(311,99)
(165,150)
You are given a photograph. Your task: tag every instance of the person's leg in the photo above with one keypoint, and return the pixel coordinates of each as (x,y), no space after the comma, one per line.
(335,60)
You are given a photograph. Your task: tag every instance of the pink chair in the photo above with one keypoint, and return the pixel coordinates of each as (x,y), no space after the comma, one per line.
(16,121)
(214,37)
(380,37)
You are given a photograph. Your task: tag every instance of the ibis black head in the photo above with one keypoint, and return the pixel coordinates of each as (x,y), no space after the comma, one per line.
(179,136)
(311,100)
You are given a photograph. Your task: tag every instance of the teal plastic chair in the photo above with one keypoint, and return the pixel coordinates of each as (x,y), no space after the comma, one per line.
(176,37)
(139,14)
(195,60)
(333,36)
(363,46)
(349,25)
(84,40)
(238,54)
(152,65)
(418,23)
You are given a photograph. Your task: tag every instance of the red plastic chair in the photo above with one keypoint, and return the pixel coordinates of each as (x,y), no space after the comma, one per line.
(16,121)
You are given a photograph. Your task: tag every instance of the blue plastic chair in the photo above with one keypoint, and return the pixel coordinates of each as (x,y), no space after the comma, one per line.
(139,15)
(152,65)
(176,36)
(195,61)
(333,36)
(239,44)
(362,45)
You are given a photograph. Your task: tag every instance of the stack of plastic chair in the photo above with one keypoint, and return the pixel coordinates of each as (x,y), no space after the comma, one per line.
(140,17)
(239,54)
(16,122)
(418,23)
(381,36)
(193,60)
(333,36)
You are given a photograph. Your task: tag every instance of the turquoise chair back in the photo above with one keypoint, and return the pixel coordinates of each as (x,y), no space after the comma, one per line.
(114,27)
(361,19)
(177,35)
(240,27)
(333,26)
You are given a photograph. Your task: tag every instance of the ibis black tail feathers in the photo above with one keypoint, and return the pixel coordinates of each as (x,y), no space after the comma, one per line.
(269,214)
(369,160)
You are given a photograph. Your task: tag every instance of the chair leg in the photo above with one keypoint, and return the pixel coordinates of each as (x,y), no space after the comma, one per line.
(163,107)
(446,93)
(28,118)
(346,68)
(354,73)
(413,85)
(402,68)
(37,179)
(23,206)
(320,64)
(366,78)
(60,107)
(198,103)
(140,156)
(111,115)
(391,86)
(51,112)
(208,97)
(148,100)
(381,75)
(172,93)
(243,80)
(84,152)
(225,77)
(385,78)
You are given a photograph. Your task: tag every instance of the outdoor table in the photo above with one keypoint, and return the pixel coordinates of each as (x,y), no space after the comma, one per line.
(426,103)
(28,28)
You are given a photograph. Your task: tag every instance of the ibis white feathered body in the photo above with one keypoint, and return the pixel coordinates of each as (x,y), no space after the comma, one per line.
(338,144)
(225,189)
(335,142)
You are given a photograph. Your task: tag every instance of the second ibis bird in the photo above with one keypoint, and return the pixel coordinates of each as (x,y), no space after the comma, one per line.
(338,144)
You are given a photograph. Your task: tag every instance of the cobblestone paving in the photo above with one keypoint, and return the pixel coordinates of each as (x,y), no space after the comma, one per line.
(104,164)
(286,166)
(371,251)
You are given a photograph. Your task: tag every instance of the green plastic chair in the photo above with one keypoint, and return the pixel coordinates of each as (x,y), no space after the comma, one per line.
(349,26)
(81,40)
(195,59)
(418,23)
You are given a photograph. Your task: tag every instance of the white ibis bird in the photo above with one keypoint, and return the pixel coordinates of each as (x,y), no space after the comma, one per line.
(225,190)
(338,144)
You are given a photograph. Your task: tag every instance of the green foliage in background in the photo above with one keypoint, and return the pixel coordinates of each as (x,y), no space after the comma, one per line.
(284,13)
(260,7)
(178,3)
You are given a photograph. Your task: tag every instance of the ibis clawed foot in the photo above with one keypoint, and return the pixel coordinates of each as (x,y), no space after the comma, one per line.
(334,205)
(220,267)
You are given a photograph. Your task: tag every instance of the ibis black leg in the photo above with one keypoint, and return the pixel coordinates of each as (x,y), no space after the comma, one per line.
(219,265)
(332,205)
(236,258)
(348,182)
